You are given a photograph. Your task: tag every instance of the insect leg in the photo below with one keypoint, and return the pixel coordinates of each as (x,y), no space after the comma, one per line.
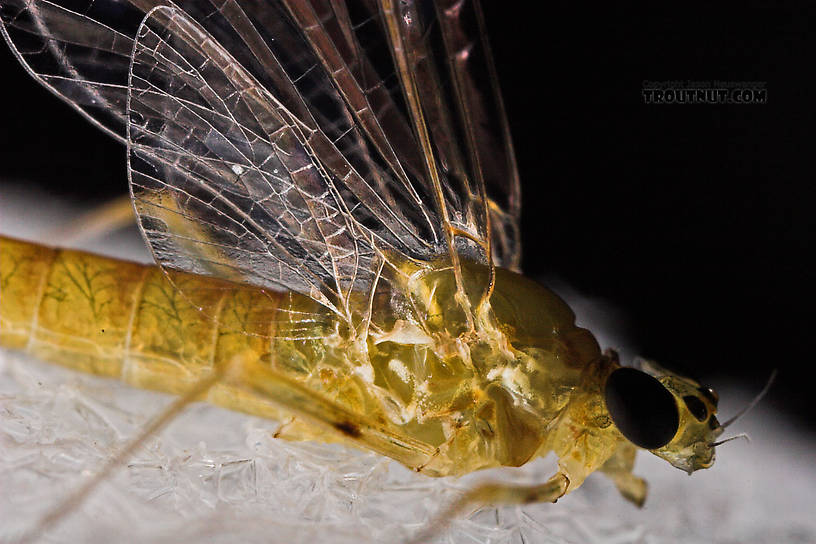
(495,493)
(80,495)
(619,469)
(282,427)
(103,219)
(310,406)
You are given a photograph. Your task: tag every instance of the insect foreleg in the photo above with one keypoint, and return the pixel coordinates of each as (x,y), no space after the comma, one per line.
(619,469)
(495,493)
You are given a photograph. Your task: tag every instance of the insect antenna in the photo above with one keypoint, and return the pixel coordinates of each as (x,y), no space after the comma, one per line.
(741,435)
(74,500)
(754,402)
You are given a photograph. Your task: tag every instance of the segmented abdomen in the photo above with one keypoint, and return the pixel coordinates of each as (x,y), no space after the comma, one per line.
(153,330)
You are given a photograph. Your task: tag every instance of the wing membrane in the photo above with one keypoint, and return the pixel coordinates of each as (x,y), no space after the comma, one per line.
(224,177)
(488,142)
(75,53)
(446,58)
(296,157)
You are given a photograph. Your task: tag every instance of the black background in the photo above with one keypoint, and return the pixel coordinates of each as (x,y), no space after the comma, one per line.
(694,220)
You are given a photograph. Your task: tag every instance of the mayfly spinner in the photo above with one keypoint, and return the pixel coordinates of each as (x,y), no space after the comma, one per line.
(330,192)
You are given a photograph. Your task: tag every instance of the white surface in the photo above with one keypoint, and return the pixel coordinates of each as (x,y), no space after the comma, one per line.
(218,476)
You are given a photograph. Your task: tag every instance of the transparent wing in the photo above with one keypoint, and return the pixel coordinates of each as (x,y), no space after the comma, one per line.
(395,109)
(78,50)
(490,145)
(228,182)
(446,70)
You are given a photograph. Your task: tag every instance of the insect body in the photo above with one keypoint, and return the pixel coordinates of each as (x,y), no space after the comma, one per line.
(419,387)
(446,409)
(337,235)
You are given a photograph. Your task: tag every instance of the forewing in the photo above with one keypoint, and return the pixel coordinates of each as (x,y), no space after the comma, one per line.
(430,175)
(447,74)
(489,144)
(227,182)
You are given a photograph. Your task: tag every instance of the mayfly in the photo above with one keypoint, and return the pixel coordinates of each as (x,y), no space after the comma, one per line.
(330,193)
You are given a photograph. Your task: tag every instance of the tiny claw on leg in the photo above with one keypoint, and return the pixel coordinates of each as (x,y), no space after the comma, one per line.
(494,493)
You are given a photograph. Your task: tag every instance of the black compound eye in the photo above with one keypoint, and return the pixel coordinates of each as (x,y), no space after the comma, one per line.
(643,410)
(696,407)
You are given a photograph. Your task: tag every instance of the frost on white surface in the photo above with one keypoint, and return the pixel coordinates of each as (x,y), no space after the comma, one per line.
(218,476)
